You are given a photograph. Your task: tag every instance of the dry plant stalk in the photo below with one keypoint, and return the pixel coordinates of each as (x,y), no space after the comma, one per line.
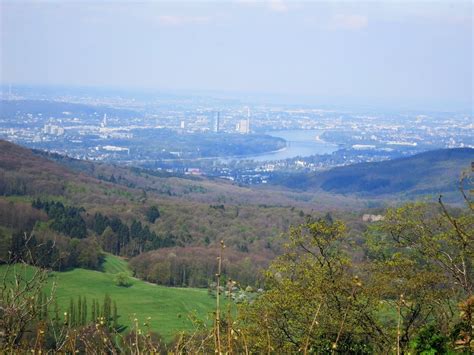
(357,283)
(400,302)
(218,286)
(313,323)
(18,291)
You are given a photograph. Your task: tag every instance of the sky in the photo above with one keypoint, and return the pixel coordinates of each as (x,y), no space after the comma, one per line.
(384,51)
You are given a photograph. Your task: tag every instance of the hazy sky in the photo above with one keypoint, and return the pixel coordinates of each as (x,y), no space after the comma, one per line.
(382,50)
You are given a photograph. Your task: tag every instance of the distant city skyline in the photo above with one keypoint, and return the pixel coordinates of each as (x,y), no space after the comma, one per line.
(394,52)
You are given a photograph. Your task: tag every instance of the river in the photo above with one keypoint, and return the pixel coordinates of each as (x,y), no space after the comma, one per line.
(299,142)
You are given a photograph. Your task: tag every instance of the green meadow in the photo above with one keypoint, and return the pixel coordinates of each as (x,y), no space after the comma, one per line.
(168,307)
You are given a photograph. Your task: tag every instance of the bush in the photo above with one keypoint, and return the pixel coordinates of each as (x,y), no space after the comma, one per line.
(429,341)
(122,280)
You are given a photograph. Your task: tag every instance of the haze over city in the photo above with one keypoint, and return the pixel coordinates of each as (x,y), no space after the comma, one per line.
(393,53)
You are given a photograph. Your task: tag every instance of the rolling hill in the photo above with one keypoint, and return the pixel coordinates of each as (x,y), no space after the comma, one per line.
(430,173)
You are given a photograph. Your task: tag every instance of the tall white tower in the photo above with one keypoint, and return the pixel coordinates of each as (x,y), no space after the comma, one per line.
(248,120)
(217,122)
(104,121)
(243,126)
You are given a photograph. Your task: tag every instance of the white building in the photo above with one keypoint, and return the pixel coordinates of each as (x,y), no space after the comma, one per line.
(53,129)
(243,126)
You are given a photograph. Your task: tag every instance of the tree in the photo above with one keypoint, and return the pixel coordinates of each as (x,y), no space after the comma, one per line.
(122,279)
(109,240)
(72,313)
(421,263)
(84,311)
(99,223)
(440,237)
(152,214)
(107,309)
(79,311)
(115,317)
(314,300)
(430,341)
(161,272)
(93,311)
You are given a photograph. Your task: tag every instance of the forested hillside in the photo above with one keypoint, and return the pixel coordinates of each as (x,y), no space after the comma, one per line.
(431,173)
(87,208)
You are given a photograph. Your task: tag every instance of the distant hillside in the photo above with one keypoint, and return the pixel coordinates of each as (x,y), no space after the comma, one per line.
(427,173)
(23,173)
(11,109)
(197,188)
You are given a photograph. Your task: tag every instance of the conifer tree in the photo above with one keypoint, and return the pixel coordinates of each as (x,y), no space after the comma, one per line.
(98,311)
(93,311)
(72,315)
(84,311)
(56,312)
(115,316)
(39,301)
(107,309)
(45,307)
(79,311)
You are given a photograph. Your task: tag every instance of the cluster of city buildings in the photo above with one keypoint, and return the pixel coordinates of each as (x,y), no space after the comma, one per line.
(53,130)
(203,123)
(95,134)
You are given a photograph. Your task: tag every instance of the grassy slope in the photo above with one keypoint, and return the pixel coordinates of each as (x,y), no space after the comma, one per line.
(114,265)
(168,307)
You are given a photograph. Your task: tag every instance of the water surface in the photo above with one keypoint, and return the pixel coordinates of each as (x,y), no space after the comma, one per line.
(299,142)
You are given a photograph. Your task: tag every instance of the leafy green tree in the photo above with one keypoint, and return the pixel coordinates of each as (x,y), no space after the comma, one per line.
(421,263)
(314,301)
(429,340)
(122,279)
(443,239)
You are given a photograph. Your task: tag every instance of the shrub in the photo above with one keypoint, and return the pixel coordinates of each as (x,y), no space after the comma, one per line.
(122,280)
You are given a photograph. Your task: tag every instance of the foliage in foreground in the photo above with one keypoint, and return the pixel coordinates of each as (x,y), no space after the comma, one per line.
(399,294)
(407,288)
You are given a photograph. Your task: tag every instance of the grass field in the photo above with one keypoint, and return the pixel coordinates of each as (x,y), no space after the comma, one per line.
(168,307)
(114,265)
